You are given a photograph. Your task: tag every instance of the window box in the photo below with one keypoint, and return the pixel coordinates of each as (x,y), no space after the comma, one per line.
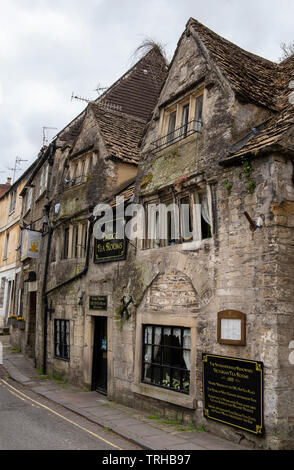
(21,323)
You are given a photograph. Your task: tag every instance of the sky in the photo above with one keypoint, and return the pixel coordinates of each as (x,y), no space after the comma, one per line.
(50,49)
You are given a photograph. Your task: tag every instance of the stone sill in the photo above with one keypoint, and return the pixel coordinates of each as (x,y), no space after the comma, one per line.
(157,393)
(196,245)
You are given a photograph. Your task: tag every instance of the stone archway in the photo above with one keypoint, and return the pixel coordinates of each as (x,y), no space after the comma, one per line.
(171,291)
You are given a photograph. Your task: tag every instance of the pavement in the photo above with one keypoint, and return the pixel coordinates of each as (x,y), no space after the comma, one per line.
(148,432)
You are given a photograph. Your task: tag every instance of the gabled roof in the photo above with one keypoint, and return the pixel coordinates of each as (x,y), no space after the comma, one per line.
(253,78)
(137,91)
(121,133)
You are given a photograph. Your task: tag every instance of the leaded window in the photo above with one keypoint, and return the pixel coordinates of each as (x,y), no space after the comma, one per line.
(166,357)
(61,339)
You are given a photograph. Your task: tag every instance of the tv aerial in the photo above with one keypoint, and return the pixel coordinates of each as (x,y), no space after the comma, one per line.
(16,168)
(45,137)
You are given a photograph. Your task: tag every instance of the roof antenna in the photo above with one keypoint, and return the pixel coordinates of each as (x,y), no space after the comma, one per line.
(45,138)
(18,160)
(80,98)
(99,89)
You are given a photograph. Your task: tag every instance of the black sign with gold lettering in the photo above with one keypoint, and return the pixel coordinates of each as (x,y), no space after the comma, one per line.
(110,247)
(233,392)
(98,302)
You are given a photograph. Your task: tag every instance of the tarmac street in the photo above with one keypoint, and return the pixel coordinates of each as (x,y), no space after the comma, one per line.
(29,422)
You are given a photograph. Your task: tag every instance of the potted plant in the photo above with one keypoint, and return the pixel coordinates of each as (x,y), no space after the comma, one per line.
(12,320)
(21,323)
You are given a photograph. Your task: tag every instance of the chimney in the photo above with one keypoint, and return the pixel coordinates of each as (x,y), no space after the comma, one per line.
(8,182)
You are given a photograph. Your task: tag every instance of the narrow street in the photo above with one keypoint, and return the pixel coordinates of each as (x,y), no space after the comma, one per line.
(29,422)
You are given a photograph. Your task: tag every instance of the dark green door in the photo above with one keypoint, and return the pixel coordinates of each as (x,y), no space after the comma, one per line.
(99,379)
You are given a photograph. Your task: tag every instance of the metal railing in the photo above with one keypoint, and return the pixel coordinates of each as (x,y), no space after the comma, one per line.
(68,183)
(177,134)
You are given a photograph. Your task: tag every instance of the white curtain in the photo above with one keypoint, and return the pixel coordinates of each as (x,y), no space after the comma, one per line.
(148,340)
(205,210)
(187,347)
(157,340)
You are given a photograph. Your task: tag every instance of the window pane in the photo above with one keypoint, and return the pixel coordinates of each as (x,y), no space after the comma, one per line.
(198,113)
(171,126)
(185,117)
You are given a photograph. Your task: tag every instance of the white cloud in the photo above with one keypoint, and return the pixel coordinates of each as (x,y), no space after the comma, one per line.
(50,48)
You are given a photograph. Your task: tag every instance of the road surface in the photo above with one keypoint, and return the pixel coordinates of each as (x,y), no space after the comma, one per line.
(28,422)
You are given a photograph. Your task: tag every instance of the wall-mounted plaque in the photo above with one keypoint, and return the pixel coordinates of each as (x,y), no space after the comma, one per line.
(98,302)
(110,248)
(231,327)
(233,392)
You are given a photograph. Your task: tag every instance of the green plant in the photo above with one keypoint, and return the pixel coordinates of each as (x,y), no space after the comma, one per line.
(155,417)
(228,185)
(247,172)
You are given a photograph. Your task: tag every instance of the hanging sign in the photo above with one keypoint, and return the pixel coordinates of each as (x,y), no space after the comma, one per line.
(110,247)
(233,392)
(31,242)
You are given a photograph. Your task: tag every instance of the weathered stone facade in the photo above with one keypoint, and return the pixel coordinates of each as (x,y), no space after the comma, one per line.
(235,158)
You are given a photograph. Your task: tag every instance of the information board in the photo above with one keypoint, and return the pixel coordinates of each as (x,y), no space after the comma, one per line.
(98,302)
(233,392)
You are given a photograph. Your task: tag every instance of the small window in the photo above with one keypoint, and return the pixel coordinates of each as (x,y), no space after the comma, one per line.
(66,243)
(166,357)
(75,236)
(61,339)
(74,175)
(171,126)
(29,197)
(12,201)
(84,240)
(185,120)
(5,254)
(198,113)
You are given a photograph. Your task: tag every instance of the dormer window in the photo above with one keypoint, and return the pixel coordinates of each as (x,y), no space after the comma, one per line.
(180,120)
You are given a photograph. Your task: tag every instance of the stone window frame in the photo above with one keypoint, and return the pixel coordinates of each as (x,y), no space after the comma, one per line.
(171,368)
(80,168)
(159,393)
(178,108)
(166,196)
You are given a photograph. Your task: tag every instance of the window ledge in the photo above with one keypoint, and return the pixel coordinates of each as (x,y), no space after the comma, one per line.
(196,245)
(165,395)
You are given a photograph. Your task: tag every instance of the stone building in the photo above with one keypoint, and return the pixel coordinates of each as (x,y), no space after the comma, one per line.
(220,142)
(94,158)
(212,281)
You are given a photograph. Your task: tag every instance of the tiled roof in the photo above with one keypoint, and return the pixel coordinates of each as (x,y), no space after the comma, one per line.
(127,193)
(121,133)
(255,79)
(71,131)
(4,188)
(279,130)
(137,91)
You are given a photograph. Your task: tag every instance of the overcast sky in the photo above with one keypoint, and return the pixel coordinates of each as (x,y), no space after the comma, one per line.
(51,48)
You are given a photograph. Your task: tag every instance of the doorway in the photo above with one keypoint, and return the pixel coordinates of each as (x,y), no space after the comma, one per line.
(32,325)
(99,375)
